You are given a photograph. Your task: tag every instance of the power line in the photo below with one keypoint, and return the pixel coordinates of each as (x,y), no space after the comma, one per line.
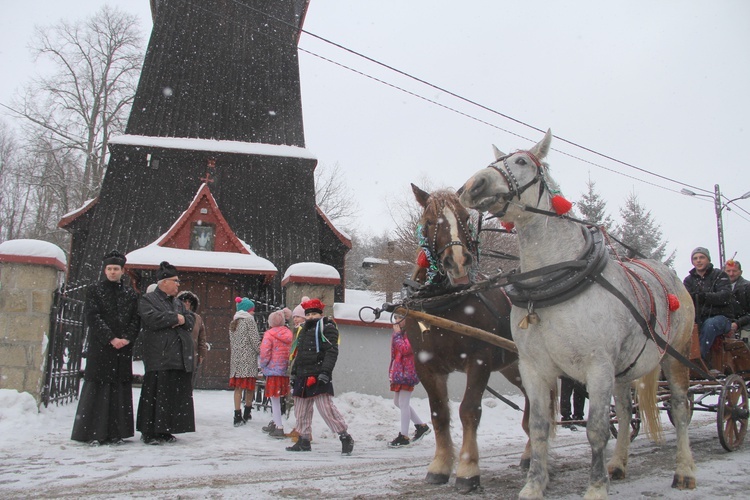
(477,104)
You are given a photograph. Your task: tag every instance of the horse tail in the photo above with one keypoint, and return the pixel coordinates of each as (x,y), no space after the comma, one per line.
(646,388)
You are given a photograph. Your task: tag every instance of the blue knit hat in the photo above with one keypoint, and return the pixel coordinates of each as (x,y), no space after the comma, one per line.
(244,304)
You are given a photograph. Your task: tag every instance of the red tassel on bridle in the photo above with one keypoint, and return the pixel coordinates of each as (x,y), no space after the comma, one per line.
(508,226)
(560,205)
(422,260)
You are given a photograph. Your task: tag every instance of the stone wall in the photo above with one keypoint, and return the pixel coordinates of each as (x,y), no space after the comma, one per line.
(26,295)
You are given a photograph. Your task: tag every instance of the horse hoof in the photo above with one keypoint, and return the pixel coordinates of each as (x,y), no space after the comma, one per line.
(467,484)
(525,463)
(683,482)
(616,474)
(433,478)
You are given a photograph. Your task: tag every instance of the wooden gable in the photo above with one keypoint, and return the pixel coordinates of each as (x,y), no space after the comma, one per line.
(203,227)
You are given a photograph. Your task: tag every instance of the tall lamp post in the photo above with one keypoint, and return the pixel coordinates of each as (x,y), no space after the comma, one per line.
(718,208)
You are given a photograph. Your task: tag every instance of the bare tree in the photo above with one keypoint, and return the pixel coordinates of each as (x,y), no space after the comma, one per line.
(86,99)
(12,200)
(333,196)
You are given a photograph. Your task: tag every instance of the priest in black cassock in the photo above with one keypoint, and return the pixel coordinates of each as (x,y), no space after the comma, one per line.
(105,407)
(166,404)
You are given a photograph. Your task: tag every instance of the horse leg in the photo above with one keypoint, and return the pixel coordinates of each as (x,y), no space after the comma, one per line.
(678,376)
(436,385)
(538,393)
(470,411)
(514,377)
(618,464)
(599,382)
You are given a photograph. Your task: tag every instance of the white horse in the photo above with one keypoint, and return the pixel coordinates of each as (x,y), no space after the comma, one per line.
(597,326)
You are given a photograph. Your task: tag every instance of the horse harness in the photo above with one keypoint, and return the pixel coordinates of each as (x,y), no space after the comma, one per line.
(429,247)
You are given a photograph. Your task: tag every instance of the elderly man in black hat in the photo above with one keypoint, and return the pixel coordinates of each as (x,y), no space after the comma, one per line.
(105,408)
(166,404)
(712,295)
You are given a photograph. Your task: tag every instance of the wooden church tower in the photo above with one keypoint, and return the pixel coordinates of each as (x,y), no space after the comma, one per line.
(218,103)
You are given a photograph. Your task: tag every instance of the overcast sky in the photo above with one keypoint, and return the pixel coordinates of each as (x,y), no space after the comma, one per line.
(664,86)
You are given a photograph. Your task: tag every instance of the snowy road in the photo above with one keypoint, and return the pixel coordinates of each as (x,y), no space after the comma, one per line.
(37,459)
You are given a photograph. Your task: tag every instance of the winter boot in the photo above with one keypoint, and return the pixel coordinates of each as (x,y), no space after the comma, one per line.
(400,441)
(247,416)
(347,443)
(422,430)
(238,420)
(270,427)
(277,433)
(302,444)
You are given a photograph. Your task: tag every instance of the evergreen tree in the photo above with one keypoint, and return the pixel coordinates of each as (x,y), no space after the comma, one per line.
(640,232)
(593,208)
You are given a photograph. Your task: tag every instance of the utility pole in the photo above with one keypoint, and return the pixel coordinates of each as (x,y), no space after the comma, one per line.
(719,224)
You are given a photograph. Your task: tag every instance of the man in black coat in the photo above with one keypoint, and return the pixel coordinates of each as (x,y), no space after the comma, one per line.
(166,404)
(105,408)
(740,299)
(712,296)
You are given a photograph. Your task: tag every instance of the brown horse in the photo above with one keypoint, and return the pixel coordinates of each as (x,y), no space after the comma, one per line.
(450,252)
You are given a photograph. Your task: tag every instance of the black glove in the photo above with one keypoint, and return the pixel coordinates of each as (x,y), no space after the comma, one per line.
(700,296)
(323,379)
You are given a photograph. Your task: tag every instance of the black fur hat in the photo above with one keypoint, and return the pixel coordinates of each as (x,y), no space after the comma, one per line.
(190,297)
(166,270)
(114,258)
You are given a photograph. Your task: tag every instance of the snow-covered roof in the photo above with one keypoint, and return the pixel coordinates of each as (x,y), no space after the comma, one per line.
(74,214)
(193,144)
(311,272)
(82,208)
(26,251)
(196,260)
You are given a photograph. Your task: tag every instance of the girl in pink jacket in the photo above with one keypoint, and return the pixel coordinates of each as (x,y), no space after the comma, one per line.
(403,378)
(274,363)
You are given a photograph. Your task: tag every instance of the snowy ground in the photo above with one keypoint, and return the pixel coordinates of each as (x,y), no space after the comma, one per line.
(37,458)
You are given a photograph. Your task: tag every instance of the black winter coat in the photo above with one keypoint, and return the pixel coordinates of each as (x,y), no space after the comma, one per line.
(166,346)
(315,358)
(741,303)
(111,312)
(712,293)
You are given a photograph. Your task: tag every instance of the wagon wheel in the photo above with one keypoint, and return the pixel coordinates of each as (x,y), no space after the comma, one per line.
(732,413)
(691,406)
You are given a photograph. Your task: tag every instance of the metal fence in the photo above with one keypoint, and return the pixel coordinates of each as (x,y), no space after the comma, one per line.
(66,345)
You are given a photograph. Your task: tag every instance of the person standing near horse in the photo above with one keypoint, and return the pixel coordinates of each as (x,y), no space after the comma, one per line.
(274,363)
(192,302)
(740,299)
(244,344)
(711,292)
(403,378)
(568,388)
(315,351)
(166,404)
(105,408)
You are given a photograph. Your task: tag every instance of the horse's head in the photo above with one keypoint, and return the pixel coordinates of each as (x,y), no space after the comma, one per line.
(508,180)
(446,235)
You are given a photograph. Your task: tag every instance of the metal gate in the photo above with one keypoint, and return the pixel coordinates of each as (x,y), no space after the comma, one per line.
(66,341)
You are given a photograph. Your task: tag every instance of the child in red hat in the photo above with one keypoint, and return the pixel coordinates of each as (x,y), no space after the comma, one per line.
(315,352)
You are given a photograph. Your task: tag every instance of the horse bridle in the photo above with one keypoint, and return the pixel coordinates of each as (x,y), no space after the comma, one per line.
(431,247)
(514,189)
